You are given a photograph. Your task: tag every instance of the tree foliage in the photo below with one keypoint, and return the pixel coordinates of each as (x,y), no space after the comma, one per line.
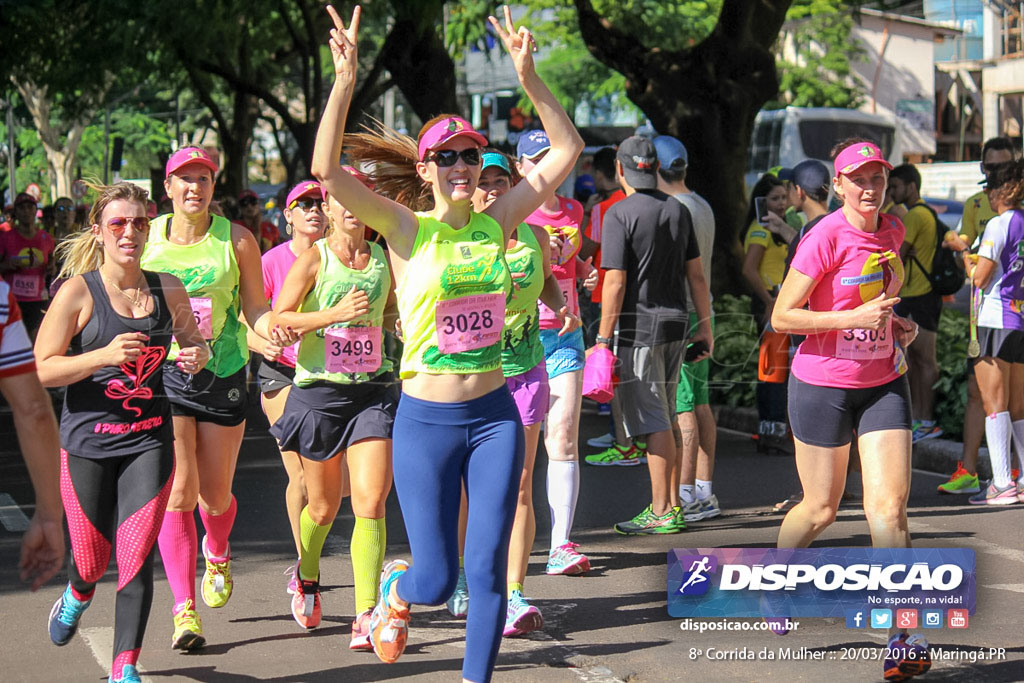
(822,75)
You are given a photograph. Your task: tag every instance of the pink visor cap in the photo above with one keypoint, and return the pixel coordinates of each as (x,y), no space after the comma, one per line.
(446,129)
(858,154)
(189,155)
(307,188)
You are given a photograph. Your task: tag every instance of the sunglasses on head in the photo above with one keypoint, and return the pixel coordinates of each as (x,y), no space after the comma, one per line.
(306,204)
(449,157)
(248,201)
(118,225)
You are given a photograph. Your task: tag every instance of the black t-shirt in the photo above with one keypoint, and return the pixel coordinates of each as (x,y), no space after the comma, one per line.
(650,236)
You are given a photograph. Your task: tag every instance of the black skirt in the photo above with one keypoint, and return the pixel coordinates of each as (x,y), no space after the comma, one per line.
(321,420)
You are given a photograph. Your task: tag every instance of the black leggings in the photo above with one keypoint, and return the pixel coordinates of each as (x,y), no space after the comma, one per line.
(123,497)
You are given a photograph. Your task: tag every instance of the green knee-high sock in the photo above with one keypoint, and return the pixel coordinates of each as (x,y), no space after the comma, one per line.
(369,537)
(312,536)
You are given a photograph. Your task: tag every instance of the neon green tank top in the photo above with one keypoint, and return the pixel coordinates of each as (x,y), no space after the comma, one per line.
(209,271)
(348,351)
(521,349)
(452,298)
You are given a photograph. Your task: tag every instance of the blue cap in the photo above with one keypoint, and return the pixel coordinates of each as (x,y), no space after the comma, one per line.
(810,174)
(670,151)
(585,184)
(532,143)
(495,159)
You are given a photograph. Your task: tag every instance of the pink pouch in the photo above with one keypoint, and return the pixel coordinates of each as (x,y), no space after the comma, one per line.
(599,378)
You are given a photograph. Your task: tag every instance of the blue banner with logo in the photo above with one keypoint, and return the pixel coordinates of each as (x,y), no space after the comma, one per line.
(817,582)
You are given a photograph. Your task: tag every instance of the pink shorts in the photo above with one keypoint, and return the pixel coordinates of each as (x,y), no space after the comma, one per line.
(530,392)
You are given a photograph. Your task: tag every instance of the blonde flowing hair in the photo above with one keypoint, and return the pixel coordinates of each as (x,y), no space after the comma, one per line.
(392,158)
(81,252)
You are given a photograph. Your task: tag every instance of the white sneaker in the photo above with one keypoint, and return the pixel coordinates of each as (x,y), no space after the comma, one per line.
(693,512)
(709,507)
(602,441)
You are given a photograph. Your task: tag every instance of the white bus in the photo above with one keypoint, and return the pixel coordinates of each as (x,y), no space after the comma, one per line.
(785,137)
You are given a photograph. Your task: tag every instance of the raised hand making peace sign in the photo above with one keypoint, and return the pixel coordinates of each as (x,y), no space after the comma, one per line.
(519,43)
(343,42)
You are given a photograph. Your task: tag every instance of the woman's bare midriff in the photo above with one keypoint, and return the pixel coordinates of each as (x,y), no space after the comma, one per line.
(452,388)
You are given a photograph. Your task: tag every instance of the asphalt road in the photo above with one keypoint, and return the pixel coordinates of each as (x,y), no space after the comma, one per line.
(610,625)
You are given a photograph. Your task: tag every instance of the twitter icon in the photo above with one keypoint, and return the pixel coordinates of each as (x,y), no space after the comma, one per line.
(881,618)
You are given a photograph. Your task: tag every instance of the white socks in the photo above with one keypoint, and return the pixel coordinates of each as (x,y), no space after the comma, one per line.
(563,491)
(997,434)
(1018,446)
(703,489)
(687,494)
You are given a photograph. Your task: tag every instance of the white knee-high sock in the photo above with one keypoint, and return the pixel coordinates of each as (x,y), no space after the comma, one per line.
(563,491)
(1018,445)
(997,434)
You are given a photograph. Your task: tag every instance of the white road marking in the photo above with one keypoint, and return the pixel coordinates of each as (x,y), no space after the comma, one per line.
(979,545)
(100,640)
(1015,587)
(11,514)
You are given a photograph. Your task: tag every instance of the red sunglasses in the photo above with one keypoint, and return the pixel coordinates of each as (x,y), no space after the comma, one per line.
(118,225)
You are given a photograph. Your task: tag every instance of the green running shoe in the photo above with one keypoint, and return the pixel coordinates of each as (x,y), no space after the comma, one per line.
(617,455)
(679,519)
(961,481)
(649,523)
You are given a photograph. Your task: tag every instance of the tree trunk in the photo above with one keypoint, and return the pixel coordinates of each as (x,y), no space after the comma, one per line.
(706,96)
(415,55)
(61,148)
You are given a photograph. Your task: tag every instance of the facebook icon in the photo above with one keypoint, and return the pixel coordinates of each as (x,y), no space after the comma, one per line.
(855,618)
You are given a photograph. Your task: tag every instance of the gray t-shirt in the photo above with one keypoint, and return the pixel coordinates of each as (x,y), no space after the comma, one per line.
(704,228)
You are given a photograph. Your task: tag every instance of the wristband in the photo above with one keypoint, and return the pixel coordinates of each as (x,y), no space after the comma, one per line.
(604,340)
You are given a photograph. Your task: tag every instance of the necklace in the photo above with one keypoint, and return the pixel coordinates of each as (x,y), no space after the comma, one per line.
(351,258)
(135,300)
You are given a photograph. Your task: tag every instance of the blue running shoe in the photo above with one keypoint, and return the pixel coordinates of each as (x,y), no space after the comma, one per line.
(458,604)
(908,656)
(64,617)
(129,674)
(521,617)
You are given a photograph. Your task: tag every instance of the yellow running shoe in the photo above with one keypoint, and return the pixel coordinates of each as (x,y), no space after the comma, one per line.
(188,629)
(217,583)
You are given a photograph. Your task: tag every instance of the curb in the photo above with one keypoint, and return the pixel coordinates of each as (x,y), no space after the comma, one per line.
(932,455)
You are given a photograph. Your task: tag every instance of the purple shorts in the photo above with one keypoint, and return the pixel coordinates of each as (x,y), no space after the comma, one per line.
(530,392)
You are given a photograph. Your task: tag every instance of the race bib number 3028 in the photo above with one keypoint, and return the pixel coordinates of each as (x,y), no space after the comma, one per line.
(469,322)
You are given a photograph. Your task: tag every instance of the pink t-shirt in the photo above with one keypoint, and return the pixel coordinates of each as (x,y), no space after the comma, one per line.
(276,264)
(850,267)
(567,222)
(27,283)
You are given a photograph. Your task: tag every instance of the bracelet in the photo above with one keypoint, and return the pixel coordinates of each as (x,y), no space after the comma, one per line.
(604,340)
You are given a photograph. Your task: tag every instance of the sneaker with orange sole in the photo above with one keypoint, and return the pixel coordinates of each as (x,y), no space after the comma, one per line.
(389,623)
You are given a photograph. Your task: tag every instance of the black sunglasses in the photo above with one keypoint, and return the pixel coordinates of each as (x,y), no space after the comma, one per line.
(248,201)
(306,204)
(64,208)
(449,157)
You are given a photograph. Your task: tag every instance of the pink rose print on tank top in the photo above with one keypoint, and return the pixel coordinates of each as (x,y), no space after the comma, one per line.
(138,371)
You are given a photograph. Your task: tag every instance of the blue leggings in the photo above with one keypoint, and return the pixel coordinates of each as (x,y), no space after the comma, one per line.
(436,447)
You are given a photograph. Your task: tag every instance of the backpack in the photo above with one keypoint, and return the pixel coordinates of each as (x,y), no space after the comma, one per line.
(948,272)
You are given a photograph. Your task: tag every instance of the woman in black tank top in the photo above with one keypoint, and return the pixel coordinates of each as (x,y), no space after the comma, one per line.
(105,337)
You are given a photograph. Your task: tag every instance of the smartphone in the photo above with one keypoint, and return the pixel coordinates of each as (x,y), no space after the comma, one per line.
(761,210)
(694,351)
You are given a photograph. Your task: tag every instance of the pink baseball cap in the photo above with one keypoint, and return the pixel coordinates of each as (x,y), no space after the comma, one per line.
(190,155)
(307,188)
(446,129)
(856,155)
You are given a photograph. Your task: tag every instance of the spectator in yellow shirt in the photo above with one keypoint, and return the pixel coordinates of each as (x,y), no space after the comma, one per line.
(917,300)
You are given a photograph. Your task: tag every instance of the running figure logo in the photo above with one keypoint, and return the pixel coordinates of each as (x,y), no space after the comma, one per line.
(697,580)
